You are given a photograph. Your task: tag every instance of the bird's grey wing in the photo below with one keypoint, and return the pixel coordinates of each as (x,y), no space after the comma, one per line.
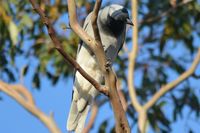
(123,37)
(122,40)
(85,25)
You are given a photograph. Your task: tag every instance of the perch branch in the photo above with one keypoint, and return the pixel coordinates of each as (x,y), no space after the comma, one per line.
(94,45)
(100,54)
(25,99)
(94,21)
(174,83)
(122,96)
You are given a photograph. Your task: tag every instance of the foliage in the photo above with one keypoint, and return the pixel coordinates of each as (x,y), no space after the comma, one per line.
(21,26)
(167,44)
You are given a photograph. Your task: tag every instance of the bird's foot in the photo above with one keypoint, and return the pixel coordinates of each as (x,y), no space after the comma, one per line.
(104,90)
(108,63)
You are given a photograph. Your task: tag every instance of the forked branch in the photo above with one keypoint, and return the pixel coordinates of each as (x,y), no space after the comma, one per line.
(25,99)
(174,83)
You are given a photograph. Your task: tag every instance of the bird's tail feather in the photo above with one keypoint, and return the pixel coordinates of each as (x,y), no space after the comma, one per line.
(73,116)
(82,119)
(76,120)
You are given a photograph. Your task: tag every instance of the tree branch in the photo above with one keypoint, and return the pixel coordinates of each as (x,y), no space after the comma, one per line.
(94,21)
(174,83)
(93,44)
(23,92)
(132,58)
(131,72)
(59,47)
(24,98)
(100,54)
(122,96)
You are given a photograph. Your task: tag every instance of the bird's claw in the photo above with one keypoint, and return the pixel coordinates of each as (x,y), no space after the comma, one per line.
(104,89)
(108,63)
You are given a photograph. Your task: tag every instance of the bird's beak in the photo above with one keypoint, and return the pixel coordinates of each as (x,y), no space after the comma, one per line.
(129,22)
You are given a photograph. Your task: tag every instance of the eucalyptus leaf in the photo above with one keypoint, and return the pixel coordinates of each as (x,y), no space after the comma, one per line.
(13,30)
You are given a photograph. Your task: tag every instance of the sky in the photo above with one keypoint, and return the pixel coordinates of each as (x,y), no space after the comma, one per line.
(15,119)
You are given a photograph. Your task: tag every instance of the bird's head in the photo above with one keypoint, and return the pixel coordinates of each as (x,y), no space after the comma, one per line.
(119,14)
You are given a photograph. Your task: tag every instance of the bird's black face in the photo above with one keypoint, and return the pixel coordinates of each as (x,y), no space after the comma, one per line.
(117,21)
(121,16)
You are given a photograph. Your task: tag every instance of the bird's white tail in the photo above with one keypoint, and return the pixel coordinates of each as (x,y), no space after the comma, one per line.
(76,119)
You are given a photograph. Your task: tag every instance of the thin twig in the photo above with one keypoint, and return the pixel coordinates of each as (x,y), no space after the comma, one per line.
(94,20)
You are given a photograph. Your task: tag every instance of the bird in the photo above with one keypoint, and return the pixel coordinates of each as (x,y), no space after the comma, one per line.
(112,22)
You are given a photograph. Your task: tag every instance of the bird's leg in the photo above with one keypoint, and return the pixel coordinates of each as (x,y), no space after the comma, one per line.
(108,61)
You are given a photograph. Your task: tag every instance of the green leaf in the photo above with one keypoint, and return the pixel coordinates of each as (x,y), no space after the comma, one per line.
(24,70)
(25,21)
(161,104)
(194,103)
(188,43)
(102,128)
(113,130)
(36,81)
(13,31)
(55,79)
(187,28)
(152,121)
(197,7)
(10,74)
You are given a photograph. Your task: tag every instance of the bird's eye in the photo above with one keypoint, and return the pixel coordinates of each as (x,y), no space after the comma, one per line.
(124,10)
